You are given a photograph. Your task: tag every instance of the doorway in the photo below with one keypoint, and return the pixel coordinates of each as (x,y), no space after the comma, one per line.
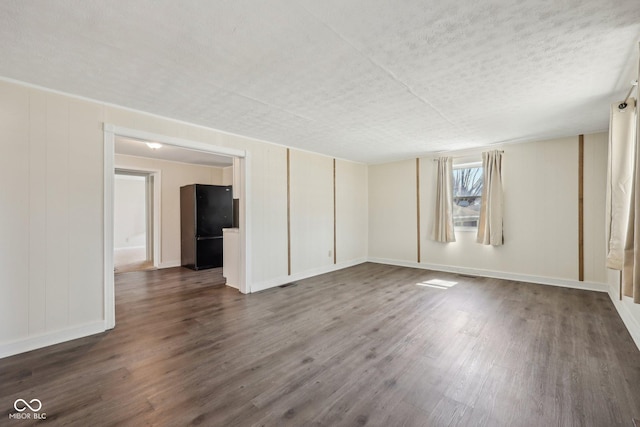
(133,221)
(240,158)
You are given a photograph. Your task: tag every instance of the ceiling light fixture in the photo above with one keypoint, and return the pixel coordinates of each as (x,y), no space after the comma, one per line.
(154,145)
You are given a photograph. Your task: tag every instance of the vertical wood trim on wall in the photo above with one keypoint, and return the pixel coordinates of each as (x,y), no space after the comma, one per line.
(288,212)
(620,285)
(418,205)
(581,208)
(335,256)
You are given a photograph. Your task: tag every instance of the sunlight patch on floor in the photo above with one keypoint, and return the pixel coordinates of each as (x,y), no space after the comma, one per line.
(437,283)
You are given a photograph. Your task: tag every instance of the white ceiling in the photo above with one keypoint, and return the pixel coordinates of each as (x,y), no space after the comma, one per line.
(367,80)
(134,147)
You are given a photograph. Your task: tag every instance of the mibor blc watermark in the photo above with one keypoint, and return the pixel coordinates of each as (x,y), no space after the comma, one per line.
(33,413)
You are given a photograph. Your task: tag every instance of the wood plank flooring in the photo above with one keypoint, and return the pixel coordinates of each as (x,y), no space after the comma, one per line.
(361,346)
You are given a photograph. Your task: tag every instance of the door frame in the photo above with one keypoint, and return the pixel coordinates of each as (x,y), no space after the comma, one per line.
(244,261)
(153,191)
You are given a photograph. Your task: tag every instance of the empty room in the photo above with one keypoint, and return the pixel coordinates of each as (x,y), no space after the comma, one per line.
(319,213)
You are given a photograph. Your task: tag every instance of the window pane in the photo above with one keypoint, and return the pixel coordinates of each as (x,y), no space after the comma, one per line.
(467,196)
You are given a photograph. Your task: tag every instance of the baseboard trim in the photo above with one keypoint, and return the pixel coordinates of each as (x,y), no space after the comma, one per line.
(129,247)
(628,319)
(50,338)
(282,280)
(540,280)
(169,264)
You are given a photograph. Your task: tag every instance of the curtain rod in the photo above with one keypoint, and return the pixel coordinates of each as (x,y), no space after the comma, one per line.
(623,104)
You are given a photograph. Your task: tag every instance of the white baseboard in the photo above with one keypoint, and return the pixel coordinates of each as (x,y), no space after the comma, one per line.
(129,247)
(272,283)
(50,338)
(170,264)
(541,280)
(627,317)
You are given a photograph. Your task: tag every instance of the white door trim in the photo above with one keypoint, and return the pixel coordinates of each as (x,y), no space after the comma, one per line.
(110,132)
(156,222)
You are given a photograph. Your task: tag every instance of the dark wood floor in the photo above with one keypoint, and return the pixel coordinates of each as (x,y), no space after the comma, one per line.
(361,346)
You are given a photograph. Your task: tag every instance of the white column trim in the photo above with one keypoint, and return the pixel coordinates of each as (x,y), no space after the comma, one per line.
(245,226)
(109,310)
(170,140)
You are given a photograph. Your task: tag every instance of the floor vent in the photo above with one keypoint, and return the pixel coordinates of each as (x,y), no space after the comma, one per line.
(437,283)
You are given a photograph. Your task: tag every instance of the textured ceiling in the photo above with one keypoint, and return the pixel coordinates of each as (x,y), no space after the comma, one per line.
(367,80)
(133,147)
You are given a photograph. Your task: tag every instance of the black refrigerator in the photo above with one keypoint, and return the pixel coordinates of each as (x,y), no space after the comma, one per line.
(204,211)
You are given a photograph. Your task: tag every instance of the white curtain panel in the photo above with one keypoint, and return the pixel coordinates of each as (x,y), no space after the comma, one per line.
(490,223)
(443,217)
(631,267)
(622,134)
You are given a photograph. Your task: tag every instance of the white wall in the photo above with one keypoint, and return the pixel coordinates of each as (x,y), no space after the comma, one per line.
(352,227)
(311,211)
(392,211)
(311,190)
(269,201)
(51,217)
(173,176)
(129,211)
(595,188)
(541,215)
(227,175)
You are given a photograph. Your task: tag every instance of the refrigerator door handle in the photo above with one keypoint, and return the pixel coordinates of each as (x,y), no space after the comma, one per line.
(208,237)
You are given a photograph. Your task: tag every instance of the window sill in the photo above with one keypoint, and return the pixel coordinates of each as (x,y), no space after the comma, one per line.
(466,229)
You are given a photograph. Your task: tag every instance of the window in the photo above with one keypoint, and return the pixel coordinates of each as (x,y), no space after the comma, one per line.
(467,195)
